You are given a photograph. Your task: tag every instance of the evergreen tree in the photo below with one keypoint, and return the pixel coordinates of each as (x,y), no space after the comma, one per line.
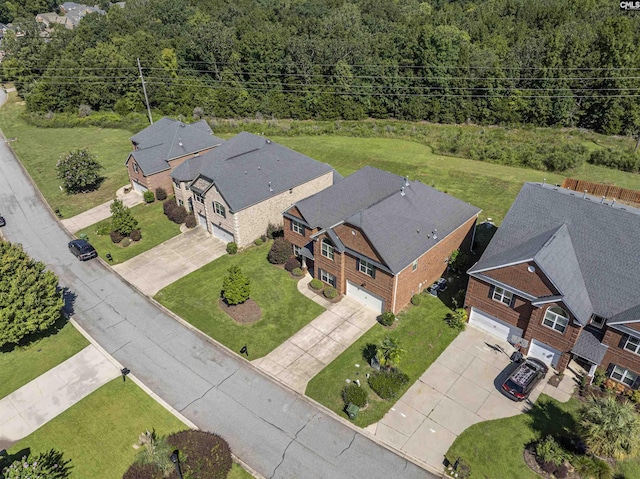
(236,287)
(122,219)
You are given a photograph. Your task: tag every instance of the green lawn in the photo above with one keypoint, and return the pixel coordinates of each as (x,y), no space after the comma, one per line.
(423,333)
(237,472)
(154,226)
(284,310)
(25,363)
(40,148)
(98,432)
(493,449)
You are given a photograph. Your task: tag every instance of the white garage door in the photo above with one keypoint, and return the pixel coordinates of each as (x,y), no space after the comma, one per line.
(544,353)
(138,187)
(493,325)
(222,234)
(202,220)
(365,297)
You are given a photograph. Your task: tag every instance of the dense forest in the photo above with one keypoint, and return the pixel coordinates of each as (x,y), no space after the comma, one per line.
(543,62)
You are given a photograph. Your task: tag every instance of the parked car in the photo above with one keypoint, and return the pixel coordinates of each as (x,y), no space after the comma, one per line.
(2,221)
(524,378)
(82,249)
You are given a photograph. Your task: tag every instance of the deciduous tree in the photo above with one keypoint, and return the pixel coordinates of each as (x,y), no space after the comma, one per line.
(122,219)
(79,171)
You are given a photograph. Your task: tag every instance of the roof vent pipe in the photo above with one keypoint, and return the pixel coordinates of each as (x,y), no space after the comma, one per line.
(402,191)
(180,142)
(270,189)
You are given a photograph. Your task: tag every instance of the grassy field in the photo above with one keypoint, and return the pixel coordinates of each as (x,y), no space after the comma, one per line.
(154,226)
(25,363)
(422,332)
(40,148)
(284,310)
(98,432)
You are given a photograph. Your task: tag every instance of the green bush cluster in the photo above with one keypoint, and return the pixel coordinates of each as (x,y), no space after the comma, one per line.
(133,122)
(274,231)
(232,248)
(297,272)
(548,450)
(258,241)
(316,284)
(457,319)
(190,221)
(161,194)
(281,250)
(330,292)
(387,318)
(125,242)
(352,393)
(135,235)
(103,228)
(387,384)
(116,237)
(176,213)
(620,160)
(416,299)
(591,466)
(291,264)
(148,196)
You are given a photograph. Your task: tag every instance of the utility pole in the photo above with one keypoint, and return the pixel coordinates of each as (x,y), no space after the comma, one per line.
(144,89)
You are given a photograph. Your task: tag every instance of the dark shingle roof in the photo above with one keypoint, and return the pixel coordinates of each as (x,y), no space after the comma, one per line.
(588,345)
(591,252)
(400,227)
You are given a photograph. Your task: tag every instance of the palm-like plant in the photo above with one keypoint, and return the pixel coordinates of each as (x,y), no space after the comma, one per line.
(390,351)
(610,428)
(156,451)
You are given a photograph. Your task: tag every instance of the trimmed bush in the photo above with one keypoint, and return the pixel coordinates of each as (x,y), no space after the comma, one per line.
(104,229)
(548,450)
(190,221)
(206,455)
(236,287)
(178,214)
(562,472)
(232,248)
(258,241)
(457,319)
(281,250)
(169,205)
(387,384)
(416,299)
(148,196)
(161,194)
(274,231)
(297,272)
(352,393)
(330,292)
(316,284)
(387,318)
(135,235)
(549,467)
(116,237)
(291,264)
(125,242)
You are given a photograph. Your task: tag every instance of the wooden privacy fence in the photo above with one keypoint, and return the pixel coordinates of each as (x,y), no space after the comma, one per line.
(599,189)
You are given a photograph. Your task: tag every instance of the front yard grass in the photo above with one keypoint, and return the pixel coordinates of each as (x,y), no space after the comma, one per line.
(98,432)
(494,449)
(154,226)
(284,310)
(422,332)
(25,363)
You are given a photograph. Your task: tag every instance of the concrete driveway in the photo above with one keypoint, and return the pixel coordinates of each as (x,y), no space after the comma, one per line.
(458,390)
(168,262)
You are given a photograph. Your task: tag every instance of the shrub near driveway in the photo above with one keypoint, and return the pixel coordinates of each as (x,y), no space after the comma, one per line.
(284,310)
(424,334)
(154,227)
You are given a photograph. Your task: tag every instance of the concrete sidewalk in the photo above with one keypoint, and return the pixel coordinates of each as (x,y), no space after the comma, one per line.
(307,352)
(39,401)
(101,212)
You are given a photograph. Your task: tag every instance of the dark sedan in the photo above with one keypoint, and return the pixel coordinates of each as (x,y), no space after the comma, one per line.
(82,249)
(526,376)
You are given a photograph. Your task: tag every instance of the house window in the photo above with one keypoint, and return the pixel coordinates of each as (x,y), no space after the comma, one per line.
(296,250)
(624,375)
(556,318)
(135,167)
(502,295)
(327,249)
(297,227)
(219,209)
(598,321)
(414,265)
(633,344)
(327,278)
(198,198)
(366,267)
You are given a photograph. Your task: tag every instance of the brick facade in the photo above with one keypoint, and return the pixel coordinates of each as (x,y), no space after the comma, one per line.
(518,276)
(616,354)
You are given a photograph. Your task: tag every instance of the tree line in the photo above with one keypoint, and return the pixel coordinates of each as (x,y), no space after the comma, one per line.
(546,63)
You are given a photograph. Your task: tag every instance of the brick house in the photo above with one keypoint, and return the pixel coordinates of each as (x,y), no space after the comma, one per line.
(378,237)
(561,273)
(163,146)
(237,189)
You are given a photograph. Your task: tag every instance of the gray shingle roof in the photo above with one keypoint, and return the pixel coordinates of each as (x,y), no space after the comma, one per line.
(588,345)
(592,258)
(248,169)
(400,227)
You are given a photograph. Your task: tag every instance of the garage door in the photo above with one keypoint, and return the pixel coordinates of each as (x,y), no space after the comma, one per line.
(139,187)
(202,220)
(365,297)
(544,353)
(222,234)
(493,325)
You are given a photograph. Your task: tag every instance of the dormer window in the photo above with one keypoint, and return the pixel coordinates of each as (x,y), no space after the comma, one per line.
(598,321)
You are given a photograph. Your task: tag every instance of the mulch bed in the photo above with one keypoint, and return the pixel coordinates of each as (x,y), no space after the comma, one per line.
(319,293)
(530,460)
(555,380)
(245,313)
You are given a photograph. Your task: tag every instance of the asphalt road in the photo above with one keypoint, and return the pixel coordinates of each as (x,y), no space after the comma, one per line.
(276,431)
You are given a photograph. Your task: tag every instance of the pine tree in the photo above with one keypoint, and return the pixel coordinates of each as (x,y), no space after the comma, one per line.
(236,287)
(122,219)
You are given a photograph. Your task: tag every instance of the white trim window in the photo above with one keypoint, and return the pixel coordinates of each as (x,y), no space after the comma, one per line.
(297,227)
(556,318)
(414,265)
(199,198)
(219,209)
(296,250)
(623,375)
(633,344)
(328,278)
(502,295)
(327,249)
(135,167)
(366,267)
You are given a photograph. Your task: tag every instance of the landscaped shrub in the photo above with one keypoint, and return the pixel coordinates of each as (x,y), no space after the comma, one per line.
(190,221)
(116,237)
(232,248)
(548,450)
(297,272)
(387,384)
(416,299)
(352,393)
(104,228)
(203,455)
(562,472)
(49,465)
(125,242)
(135,235)
(549,467)
(122,219)
(590,466)
(387,318)
(169,205)
(281,250)
(236,287)
(457,319)
(599,377)
(291,264)
(274,231)
(330,292)
(148,196)
(161,194)
(316,284)
(178,214)
(258,241)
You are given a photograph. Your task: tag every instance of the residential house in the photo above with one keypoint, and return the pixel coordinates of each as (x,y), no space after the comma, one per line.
(378,237)
(237,189)
(70,15)
(561,278)
(163,146)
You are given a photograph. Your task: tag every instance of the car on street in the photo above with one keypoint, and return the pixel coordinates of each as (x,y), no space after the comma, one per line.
(524,379)
(82,249)
(2,221)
